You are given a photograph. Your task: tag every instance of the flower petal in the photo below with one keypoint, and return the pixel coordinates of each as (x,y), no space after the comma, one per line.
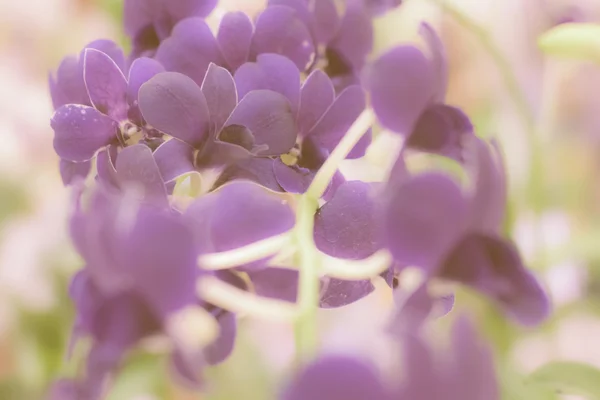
(327,20)
(105,168)
(354,38)
(280,30)
(339,293)
(316,97)
(276,283)
(108,47)
(441,129)
(221,97)
(222,347)
(493,266)
(273,72)
(173,103)
(174,158)
(105,84)
(424,217)
(190,49)
(136,166)
(142,69)
(401,82)
(68,87)
(259,170)
(72,172)
(80,131)
(438,60)
(293,178)
(234,38)
(345,227)
(269,117)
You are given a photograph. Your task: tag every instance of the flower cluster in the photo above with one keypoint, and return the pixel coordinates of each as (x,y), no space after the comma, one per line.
(269,107)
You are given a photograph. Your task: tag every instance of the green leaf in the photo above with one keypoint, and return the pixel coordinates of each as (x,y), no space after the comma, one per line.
(570,378)
(574,41)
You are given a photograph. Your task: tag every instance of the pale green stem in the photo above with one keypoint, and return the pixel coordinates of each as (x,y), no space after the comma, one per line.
(355,270)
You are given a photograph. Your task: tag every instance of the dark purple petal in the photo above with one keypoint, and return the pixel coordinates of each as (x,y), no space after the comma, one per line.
(438,60)
(181,9)
(338,293)
(316,97)
(72,172)
(423,219)
(68,87)
(443,130)
(327,20)
(222,347)
(105,84)
(346,227)
(105,168)
(293,179)
(234,38)
(233,145)
(136,167)
(360,148)
(337,378)
(172,103)
(174,158)
(276,283)
(108,47)
(336,121)
(269,117)
(493,266)
(142,69)
(280,30)
(273,72)
(80,131)
(220,93)
(354,38)
(259,170)
(402,84)
(190,49)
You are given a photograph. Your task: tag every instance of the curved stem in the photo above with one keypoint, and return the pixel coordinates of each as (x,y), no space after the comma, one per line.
(356,270)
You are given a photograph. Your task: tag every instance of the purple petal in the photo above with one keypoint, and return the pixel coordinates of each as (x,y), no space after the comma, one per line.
(172,103)
(174,158)
(233,145)
(69,87)
(441,129)
(80,131)
(411,313)
(269,117)
(72,172)
(142,69)
(105,84)
(190,49)
(401,83)
(493,266)
(354,38)
(136,166)
(222,347)
(337,378)
(181,9)
(327,20)
(379,7)
(424,217)
(259,170)
(234,38)
(346,227)
(105,168)
(220,93)
(338,293)
(293,179)
(280,30)
(186,369)
(273,72)
(438,60)
(317,96)
(422,380)
(108,47)
(276,283)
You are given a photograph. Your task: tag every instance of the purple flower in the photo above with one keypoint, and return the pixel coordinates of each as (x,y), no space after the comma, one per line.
(465,372)
(407,94)
(80,131)
(210,127)
(149,22)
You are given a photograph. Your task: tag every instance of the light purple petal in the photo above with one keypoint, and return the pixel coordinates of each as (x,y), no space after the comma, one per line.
(181,9)
(72,172)
(354,38)
(338,293)
(269,117)
(402,84)
(259,170)
(411,313)
(493,266)
(190,49)
(336,121)
(142,69)
(293,179)
(105,84)
(422,379)
(80,131)
(233,145)
(280,30)
(234,38)
(173,103)
(316,97)
(222,347)
(109,48)
(105,167)
(424,217)
(327,20)
(443,130)
(68,87)
(174,158)
(337,378)
(220,93)
(276,283)
(136,166)
(438,60)
(186,369)
(346,227)
(273,72)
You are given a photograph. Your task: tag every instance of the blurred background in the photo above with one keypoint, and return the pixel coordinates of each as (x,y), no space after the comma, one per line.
(545,113)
